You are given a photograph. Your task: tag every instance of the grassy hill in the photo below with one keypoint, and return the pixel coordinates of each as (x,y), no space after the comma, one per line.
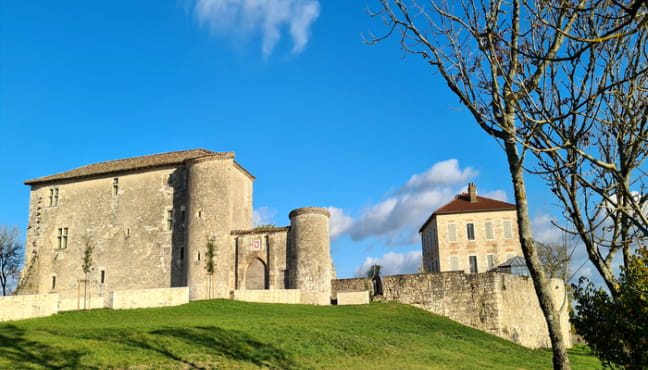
(230,334)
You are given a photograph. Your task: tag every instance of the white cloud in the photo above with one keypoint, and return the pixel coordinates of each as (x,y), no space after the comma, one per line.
(401,213)
(246,17)
(263,216)
(544,231)
(339,223)
(392,263)
(441,174)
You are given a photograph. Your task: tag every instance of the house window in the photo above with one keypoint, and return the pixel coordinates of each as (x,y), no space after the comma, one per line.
(473,264)
(53,282)
(489,230)
(115,186)
(454,263)
(452,232)
(491,261)
(62,237)
(53,197)
(508,229)
(470,231)
(103,276)
(169,220)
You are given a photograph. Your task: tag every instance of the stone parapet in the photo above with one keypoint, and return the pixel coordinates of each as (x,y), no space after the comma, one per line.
(500,304)
(28,306)
(147,298)
(290,296)
(347,298)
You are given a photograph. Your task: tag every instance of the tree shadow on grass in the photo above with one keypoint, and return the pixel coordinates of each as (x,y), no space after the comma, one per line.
(205,342)
(24,353)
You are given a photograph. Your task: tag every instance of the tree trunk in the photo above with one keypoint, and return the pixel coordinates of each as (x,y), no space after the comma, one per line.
(540,282)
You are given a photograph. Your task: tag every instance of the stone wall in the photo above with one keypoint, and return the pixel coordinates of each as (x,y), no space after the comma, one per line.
(346,298)
(98,213)
(73,304)
(290,296)
(145,298)
(265,248)
(501,304)
(28,306)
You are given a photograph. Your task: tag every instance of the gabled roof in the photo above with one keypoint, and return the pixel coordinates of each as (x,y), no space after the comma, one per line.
(135,163)
(462,204)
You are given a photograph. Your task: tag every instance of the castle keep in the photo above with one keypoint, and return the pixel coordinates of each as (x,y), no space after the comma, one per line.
(167,220)
(164,229)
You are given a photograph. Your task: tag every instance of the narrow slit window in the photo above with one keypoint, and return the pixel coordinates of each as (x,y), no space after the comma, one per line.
(115,186)
(182,253)
(53,282)
(169,220)
(103,276)
(62,237)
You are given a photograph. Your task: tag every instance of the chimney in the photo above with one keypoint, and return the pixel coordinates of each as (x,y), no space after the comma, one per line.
(472,192)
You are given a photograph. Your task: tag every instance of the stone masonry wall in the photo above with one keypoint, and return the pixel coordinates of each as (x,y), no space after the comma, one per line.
(500,304)
(28,306)
(99,212)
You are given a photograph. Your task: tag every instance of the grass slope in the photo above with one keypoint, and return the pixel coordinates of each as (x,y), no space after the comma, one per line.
(231,334)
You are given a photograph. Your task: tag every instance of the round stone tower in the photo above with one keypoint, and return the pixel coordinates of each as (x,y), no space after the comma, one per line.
(208,221)
(310,255)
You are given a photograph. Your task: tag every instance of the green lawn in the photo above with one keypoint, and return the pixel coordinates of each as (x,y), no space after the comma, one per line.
(230,334)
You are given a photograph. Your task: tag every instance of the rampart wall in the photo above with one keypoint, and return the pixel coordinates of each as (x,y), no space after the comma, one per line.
(21,307)
(145,298)
(290,296)
(501,304)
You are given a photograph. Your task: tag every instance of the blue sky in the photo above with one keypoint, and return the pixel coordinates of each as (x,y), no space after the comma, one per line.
(319,117)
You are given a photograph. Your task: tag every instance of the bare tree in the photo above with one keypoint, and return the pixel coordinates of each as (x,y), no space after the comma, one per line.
(512,64)
(593,146)
(10,257)
(555,259)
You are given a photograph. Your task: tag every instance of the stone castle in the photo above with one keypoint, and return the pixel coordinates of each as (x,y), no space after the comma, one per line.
(167,220)
(168,228)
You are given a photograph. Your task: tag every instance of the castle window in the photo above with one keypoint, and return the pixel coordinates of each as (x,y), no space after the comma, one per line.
(169,220)
(182,253)
(454,263)
(103,276)
(470,231)
(508,229)
(489,230)
(62,237)
(491,261)
(53,197)
(452,232)
(115,186)
(53,282)
(473,264)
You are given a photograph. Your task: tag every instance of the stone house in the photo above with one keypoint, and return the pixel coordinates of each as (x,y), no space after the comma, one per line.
(471,234)
(160,221)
